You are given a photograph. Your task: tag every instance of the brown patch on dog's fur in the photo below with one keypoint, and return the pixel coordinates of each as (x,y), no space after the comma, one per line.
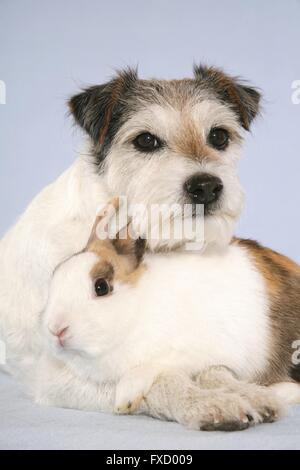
(284,262)
(243,99)
(282,278)
(190,143)
(117,88)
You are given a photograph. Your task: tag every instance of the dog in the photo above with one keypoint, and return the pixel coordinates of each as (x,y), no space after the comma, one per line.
(154,142)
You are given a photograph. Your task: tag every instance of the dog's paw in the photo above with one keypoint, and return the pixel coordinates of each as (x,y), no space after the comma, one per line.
(264,401)
(265,404)
(214,410)
(131,390)
(222,410)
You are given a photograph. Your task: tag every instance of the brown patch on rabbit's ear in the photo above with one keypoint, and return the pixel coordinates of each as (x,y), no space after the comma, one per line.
(103,218)
(126,245)
(125,267)
(124,253)
(126,256)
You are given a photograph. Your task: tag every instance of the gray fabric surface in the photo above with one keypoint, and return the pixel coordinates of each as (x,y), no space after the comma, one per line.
(25,425)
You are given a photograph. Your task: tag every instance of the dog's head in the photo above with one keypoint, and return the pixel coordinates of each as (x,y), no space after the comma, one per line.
(171,141)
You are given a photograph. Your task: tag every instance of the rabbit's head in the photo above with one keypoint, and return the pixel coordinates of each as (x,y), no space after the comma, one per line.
(89,292)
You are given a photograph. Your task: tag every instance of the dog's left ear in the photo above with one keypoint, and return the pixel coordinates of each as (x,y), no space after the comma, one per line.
(244,100)
(99,108)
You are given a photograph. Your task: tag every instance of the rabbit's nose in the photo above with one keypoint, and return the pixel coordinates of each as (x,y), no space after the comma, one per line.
(61,334)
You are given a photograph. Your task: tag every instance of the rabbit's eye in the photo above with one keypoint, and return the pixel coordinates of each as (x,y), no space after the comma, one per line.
(102,287)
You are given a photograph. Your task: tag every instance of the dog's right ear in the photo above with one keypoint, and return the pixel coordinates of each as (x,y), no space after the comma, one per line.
(95,108)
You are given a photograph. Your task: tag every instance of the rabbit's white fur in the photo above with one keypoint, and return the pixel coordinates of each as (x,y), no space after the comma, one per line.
(186,309)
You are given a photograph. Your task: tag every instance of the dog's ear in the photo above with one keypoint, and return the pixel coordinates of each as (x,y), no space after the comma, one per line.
(245,100)
(96,108)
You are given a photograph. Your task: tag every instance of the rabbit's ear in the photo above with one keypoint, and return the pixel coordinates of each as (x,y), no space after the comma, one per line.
(127,245)
(101,225)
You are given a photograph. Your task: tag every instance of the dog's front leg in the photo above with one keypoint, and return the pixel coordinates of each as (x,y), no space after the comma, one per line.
(174,396)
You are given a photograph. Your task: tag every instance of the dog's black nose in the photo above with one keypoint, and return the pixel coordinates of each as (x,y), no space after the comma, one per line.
(204,188)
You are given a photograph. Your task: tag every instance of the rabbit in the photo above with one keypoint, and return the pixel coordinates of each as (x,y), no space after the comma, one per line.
(177,336)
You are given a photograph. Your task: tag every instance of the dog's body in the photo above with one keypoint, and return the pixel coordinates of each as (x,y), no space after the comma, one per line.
(156,142)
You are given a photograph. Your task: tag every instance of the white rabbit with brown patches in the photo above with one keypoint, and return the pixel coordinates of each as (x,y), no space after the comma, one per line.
(178,337)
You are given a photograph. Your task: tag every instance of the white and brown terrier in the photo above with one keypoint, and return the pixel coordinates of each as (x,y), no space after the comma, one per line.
(161,142)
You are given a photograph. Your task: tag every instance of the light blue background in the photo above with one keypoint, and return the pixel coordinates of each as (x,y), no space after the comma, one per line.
(50,48)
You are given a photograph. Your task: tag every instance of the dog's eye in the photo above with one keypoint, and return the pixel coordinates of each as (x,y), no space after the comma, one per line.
(147,142)
(218,138)
(102,287)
